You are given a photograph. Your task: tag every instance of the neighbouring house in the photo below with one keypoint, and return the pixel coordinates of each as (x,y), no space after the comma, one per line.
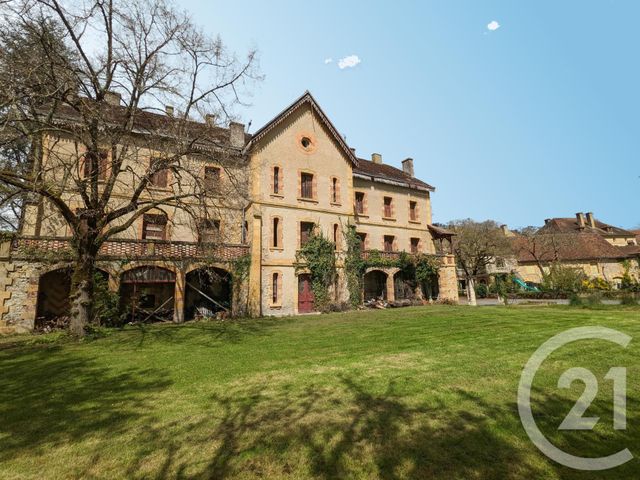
(598,249)
(297,174)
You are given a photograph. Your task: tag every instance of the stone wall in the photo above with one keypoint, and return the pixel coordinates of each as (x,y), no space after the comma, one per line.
(19,282)
(448,280)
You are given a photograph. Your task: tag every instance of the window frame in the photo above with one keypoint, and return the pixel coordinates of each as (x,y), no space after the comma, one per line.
(384,243)
(417,245)
(387,213)
(309,232)
(160,174)
(152,219)
(308,184)
(413,211)
(217,177)
(364,210)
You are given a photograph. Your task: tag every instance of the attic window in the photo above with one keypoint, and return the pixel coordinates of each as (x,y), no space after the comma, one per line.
(305,142)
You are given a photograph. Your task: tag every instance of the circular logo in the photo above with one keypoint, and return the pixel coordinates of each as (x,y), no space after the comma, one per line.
(573,420)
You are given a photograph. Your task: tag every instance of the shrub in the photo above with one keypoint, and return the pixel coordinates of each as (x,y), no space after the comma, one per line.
(106,307)
(575,300)
(563,279)
(482,291)
(628,299)
(594,299)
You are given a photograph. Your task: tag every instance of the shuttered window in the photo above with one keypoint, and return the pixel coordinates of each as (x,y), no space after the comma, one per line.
(388,243)
(210,231)
(360,203)
(306,229)
(159,178)
(154,227)
(388,207)
(212,178)
(413,210)
(306,185)
(415,245)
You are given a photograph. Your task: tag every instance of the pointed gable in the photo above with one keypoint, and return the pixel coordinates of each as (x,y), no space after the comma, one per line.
(305,99)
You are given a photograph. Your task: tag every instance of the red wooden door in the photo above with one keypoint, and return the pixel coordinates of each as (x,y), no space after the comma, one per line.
(305,294)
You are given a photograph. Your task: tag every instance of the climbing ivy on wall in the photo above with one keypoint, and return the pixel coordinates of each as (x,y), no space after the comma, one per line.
(354,265)
(318,256)
(419,268)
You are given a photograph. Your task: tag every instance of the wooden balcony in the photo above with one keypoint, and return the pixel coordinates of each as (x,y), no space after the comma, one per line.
(31,248)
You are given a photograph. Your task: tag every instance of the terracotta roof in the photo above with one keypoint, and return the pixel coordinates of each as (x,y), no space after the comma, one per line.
(439,232)
(307,98)
(148,122)
(387,172)
(576,246)
(570,225)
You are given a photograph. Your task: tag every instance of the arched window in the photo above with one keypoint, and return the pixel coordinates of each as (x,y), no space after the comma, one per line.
(276,233)
(276,288)
(335,190)
(336,230)
(276,180)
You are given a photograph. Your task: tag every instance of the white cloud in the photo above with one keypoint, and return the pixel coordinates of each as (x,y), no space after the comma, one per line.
(493,25)
(348,62)
(328,60)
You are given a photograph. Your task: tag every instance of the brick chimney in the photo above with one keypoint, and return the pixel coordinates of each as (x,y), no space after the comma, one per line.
(591,220)
(407,166)
(505,230)
(580,218)
(112,98)
(210,120)
(236,134)
(376,158)
(168,109)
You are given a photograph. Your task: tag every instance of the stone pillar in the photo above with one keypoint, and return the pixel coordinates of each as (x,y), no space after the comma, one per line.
(448,279)
(178,297)
(255,272)
(391,289)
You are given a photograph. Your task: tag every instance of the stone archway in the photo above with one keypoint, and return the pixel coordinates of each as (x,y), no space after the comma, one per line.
(147,293)
(208,290)
(53,305)
(375,285)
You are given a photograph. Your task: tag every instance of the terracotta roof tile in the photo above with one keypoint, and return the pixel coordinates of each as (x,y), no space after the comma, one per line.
(576,246)
(570,225)
(387,172)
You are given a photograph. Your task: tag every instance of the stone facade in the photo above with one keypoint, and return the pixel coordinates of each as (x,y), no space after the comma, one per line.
(298,172)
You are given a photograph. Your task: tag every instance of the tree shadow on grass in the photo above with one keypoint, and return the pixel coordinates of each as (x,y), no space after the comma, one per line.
(346,431)
(51,397)
(205,333)
(550,409)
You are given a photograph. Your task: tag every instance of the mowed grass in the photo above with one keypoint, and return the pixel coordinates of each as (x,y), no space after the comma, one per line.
(424,392)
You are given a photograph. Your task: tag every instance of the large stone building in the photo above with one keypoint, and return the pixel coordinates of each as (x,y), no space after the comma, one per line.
(597,249)
(293,175)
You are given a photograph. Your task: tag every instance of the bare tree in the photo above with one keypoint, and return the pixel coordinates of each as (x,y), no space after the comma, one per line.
(543,246)
(476,245)
(99,157)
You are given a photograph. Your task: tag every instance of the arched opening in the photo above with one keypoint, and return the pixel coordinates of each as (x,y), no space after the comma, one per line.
(430,288)
(146,293)
(54,289)
(375,285)
(207,292)
(404,286)
(53,306)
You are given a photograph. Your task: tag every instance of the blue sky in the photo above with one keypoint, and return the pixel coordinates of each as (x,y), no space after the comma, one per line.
(535,119)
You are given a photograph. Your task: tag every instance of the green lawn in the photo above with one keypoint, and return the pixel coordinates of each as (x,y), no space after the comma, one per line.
(424,392)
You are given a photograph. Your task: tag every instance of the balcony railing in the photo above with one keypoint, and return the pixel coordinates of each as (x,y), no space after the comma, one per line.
(30,247)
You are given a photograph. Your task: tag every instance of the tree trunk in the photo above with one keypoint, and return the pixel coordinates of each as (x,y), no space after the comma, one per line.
(471,291)
(82,286)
